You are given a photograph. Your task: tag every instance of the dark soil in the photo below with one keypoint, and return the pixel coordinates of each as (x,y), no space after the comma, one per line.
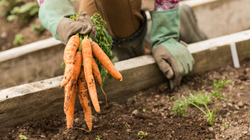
(151,111)
(8,30)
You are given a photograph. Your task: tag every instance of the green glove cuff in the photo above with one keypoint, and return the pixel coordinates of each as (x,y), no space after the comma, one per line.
(52,12)
(165,25)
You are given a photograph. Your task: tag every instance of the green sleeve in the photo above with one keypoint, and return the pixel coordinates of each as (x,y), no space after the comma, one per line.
(52,12)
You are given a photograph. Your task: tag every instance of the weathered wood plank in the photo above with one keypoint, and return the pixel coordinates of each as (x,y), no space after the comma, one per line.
(221,17)
(29,66)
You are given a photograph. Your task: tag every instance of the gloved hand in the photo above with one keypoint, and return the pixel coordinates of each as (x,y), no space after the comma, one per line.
(54,16)
(172,57)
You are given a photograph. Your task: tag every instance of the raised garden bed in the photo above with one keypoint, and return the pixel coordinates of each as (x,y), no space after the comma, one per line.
(151,111)
(41,60)
(40,99)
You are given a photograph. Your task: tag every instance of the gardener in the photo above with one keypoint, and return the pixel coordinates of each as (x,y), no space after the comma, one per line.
(127,24)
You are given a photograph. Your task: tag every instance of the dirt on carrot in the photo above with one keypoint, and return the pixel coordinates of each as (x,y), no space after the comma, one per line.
(84,99)
(87,62)
(69,58)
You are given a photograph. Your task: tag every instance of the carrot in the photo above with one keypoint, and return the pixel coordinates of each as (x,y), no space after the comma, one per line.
(87,62)
(70,112)
(107,64)
(96,72)
(69,57)
(73,81)
(84,99)
(98,78)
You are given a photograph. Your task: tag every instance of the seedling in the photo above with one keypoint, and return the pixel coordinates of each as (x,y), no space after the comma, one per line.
(242,87)
(144,110)
(8,6)
(202,80)
(98,138)
(225,125)
(37,28)
(235,112)
(22,137)
(249,112)
(25,12)
(142,134)
(171,98)
(18,39)
(202,99)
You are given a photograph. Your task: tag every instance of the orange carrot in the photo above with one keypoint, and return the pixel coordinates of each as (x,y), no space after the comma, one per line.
(98,78)
(69,57)
(84,99)
(70,112)
(96,72)
(73,81)
(87,62)
(107,64)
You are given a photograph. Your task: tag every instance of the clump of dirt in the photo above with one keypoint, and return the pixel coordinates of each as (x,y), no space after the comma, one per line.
(151,111)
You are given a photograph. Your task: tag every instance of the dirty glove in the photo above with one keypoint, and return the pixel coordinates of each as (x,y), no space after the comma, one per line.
(54,16)
(172,57)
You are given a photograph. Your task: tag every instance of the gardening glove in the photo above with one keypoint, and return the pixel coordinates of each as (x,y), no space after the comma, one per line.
(172,57)
(54,16)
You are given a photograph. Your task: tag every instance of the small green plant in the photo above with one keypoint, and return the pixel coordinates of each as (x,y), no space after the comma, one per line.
(18,39)
(144,110)
(202,80)
(126,126)
(225,125)
(37,28)
(235,112)
(8,6)
(242,87)
(249,112)
(25,12)
(171,98)
(22,137)
(142,134)
(98,138)
(202,99)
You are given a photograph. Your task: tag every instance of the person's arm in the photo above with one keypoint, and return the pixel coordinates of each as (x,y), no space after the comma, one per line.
(54,16)
(172,57)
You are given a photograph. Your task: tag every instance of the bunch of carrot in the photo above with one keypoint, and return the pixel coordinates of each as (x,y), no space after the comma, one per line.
(80,74)
(83,77)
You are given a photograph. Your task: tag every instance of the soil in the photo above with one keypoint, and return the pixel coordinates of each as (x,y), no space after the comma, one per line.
(151,111)
(8,30)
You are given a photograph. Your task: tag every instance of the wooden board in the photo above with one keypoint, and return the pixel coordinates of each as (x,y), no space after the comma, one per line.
(30,63)
(40,99)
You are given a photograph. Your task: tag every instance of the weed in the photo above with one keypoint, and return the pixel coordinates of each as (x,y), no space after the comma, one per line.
(8,6)
(242,87)
(235,112)
(18,39)
(98,138)
(202,99)
(25,12)
(22,137)
(171,98)
(142,134)
(225,125)
(202,80)
(126,126)
(37,28)
(144,110)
